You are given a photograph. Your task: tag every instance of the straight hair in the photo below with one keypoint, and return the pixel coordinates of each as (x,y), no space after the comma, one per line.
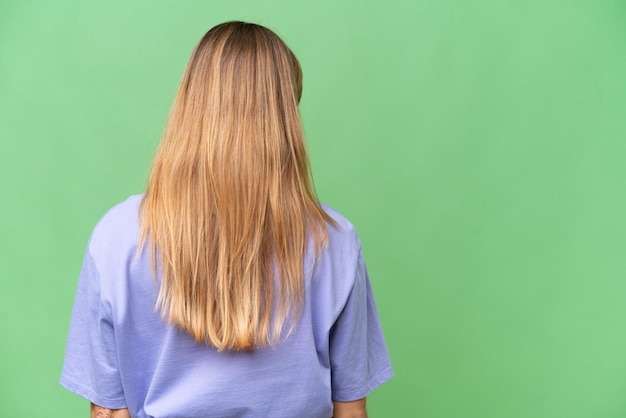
(230,209)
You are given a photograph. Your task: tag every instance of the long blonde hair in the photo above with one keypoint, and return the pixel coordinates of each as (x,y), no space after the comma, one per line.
(230,206)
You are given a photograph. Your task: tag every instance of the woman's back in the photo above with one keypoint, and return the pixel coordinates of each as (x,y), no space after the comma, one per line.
(121,354)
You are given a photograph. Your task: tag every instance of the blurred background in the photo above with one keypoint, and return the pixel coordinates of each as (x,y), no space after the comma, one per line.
(478,146)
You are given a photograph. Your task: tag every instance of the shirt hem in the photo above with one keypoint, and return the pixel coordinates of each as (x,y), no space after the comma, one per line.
(373,383)
(84,392)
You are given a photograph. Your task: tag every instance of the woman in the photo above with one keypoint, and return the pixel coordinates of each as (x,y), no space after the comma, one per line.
(227,290)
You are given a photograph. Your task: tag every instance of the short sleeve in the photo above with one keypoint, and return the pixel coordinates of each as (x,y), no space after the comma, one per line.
(358,353)
(90,365)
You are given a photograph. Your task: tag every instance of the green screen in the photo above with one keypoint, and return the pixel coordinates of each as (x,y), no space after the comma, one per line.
(479,147)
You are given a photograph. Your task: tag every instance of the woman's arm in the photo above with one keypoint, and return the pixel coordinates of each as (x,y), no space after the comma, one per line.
(353,409)
(100,412)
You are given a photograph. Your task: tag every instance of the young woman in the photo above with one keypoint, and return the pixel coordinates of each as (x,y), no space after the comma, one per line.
(227,289)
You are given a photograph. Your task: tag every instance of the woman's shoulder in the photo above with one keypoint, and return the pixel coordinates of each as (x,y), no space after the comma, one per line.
(342,222)
(118,226)
(342,236)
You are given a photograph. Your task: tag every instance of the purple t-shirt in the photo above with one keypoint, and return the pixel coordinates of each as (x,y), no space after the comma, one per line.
(121,354)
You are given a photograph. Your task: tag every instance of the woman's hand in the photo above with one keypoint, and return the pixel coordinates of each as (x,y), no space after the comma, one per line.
(100,412)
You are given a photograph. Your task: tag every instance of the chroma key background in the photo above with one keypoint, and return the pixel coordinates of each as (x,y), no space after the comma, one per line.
(478,146)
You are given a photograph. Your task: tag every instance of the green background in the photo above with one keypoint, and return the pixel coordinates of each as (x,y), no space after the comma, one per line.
(478,146)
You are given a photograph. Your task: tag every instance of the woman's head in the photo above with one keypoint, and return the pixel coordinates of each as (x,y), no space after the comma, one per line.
(241,68)
(230,200)
(238,55)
